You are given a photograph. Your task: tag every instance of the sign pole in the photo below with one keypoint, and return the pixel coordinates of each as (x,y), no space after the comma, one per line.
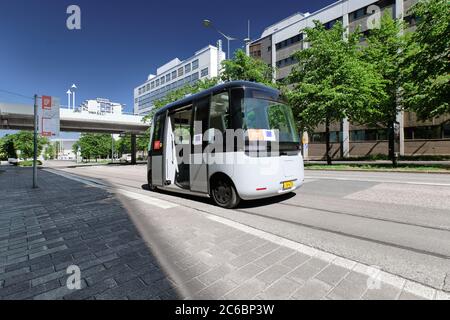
(35,142)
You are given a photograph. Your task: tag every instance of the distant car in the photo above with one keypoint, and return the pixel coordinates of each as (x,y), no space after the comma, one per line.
(13,161)
(125,158)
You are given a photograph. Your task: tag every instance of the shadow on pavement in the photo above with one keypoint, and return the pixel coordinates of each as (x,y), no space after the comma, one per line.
(67,223)
(245,204)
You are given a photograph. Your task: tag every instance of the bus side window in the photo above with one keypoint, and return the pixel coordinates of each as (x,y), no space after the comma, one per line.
(219,118)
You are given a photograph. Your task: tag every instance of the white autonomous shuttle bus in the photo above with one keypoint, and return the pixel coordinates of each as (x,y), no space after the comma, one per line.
(237,140)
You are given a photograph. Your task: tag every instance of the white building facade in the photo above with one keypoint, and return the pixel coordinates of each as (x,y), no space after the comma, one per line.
(101,106)
(64,148)
(205,64)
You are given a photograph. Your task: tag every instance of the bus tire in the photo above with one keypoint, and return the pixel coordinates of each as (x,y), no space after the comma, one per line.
(224,193)
(150,185)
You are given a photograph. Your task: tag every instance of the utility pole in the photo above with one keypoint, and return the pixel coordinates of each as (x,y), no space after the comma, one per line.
(35,141)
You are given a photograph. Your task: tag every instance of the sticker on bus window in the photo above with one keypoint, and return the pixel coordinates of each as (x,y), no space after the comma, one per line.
(255,135)
(269,135)
(157,145)
(198,139)
(261,135)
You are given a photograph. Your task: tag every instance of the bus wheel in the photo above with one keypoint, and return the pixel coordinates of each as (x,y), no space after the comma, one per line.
(224,193)
(151,187)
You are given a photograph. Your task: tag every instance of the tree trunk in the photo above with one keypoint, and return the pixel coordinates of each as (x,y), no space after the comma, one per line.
(327,137)
(391,137)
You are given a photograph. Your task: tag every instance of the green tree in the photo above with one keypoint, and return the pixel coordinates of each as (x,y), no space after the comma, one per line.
(7,149)
(124,143)
(94,145)
(50,152)
(427,66)
(331,81)
(386,49)
(243,67)
(24,141)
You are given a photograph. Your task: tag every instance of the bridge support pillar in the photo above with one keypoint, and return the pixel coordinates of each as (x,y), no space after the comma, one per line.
(133,149)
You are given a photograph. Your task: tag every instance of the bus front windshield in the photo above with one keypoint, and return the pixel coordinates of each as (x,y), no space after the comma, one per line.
(264,114)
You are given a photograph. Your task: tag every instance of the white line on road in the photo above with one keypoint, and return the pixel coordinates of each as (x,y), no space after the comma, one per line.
(131,195)
(379,181)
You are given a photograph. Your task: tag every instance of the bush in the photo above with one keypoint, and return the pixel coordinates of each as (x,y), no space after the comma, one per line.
(28,163)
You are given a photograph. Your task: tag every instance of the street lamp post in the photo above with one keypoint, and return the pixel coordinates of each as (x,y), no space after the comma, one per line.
(208,24)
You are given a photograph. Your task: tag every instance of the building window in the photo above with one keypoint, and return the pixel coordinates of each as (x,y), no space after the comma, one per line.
(152,85)
(195,64)
(147,87)
(427,132)
(446,130)
(180,72)
(320,137)
(204,72)
(174,75)
(187,68)
(163,80)
(157,83)
(194,77)
(168,78)
(330,24)
(289,42)
(358,14)
(286,62)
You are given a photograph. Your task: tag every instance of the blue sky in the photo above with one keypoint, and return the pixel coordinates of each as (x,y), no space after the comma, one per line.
(120,43)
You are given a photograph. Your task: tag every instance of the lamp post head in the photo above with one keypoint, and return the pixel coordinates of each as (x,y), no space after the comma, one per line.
(73,87)
(207,23)
(69,92)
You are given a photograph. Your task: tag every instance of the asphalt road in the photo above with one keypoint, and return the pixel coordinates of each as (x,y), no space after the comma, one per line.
(397,221)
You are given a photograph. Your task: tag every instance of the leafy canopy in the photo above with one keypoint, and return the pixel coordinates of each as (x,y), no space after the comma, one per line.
(427,67)
(243,67)
(23,141)
(385,50)
(331,81)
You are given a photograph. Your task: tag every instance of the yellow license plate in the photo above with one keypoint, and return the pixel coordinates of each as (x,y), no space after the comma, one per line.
(288,185)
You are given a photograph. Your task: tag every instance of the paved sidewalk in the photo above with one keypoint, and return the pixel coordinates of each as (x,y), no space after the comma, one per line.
(139,245)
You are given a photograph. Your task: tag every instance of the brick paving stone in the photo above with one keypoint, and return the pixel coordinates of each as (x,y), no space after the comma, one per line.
(307,270)
(282,289)
(313,289)
(332,274)
(216,273)
(386,292)
(352,287)
(273,273)
(243,274)
(247,290)
(295,260)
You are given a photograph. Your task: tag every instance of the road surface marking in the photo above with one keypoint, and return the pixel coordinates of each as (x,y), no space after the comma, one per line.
(381,181)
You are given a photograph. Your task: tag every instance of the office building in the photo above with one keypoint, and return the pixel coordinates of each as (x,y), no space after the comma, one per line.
(101,106)
(176,74)
(281,40)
